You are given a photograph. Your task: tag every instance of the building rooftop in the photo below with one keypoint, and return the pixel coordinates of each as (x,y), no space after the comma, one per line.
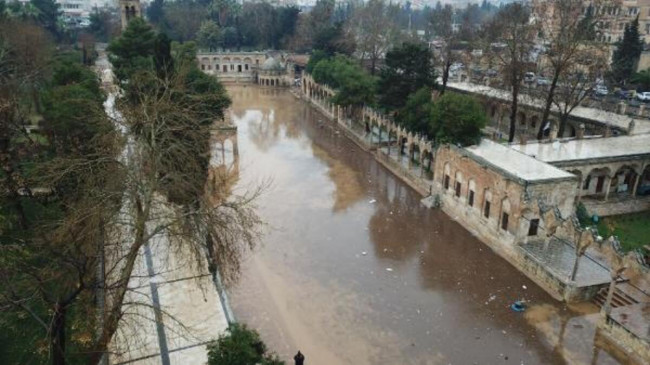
(618,121)
(515,163)
(566,151)
(558,258)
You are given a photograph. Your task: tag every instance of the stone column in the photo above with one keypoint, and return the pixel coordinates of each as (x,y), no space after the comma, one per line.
(636,184)
(609,185)
(581,182)
(580,133)
(553,133)
(421,165)
(622,107)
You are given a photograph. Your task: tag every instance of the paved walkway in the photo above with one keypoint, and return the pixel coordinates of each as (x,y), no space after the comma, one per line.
(178,309)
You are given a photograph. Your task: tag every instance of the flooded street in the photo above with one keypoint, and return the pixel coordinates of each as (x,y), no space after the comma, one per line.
(353,270)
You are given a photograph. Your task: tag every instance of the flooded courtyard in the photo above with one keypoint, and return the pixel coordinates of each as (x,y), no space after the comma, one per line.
(352,269)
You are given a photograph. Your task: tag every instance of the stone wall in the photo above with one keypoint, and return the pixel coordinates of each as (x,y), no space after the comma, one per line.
(637,349)
(626,206)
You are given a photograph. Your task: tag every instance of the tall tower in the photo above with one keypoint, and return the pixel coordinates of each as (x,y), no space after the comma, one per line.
(130,9)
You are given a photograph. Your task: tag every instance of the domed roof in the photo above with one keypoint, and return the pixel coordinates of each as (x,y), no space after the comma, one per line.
(271,64)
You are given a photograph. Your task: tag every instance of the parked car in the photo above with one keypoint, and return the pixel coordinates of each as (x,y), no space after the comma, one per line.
(623,94)
(529,77)
(492,72)
(456,66)
(601,90)
(643,96)
(543,81)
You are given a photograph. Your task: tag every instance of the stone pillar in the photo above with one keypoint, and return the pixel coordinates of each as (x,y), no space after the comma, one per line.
(622,107)
(641,110)
(553,133)
(581,182)
(609,185)
(630,127)
(421,165)
(636,184)
(580,132)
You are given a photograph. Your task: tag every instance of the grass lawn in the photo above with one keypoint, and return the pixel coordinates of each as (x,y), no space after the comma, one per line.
(633,230)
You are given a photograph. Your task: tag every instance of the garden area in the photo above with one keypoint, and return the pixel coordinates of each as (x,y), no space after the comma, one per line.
(632,230)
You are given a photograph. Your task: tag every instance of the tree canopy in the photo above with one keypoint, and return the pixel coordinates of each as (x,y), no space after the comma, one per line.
(457,118)
(354,85)
(240,346)
(627,53)
(407,69)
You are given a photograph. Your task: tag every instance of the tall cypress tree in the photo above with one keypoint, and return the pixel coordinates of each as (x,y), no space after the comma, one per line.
(627,53)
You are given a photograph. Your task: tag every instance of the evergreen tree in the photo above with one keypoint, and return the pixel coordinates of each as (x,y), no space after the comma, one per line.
(587,26)
(627,53)
(48,15)
(407,69)
(133,50)
(156,12)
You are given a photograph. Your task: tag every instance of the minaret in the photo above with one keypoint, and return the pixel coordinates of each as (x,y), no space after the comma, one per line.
(129,9)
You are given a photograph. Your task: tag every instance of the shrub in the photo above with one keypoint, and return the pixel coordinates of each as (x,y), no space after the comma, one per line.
(240,346)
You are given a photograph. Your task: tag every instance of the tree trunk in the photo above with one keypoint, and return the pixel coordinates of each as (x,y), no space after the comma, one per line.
(57,336)
(114,314)
(548,104)
(513,112)
(563,121)
(445,77)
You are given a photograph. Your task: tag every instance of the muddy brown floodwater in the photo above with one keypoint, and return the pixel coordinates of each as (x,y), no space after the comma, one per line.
(353,270)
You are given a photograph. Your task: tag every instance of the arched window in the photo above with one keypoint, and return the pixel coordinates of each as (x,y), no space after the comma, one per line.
(471,192)
(458,183)
(445,177)
(505,214)
(487,203)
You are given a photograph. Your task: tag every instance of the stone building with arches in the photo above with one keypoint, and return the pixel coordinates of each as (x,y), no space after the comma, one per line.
(129,10)
(522,208)
(236,67)
(613,173)
(582,121)
(259,68)
(273,72)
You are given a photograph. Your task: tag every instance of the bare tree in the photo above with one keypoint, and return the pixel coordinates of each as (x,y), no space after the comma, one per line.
(163,194)
(511,38)
(577,83)
(375,31)
(566,35)
(442,25)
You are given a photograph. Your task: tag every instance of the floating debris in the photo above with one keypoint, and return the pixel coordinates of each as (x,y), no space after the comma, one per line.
(372,201)
(389,269)
(518,306)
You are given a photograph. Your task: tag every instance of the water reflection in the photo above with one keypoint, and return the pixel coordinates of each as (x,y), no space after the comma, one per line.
(223,173)
(357,271)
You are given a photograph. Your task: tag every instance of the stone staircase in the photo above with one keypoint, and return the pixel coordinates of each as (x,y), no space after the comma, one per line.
(619,299)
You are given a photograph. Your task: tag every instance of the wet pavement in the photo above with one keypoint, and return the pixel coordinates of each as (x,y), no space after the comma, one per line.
(353,270)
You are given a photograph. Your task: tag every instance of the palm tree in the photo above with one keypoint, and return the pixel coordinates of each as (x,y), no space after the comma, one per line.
(642,79)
